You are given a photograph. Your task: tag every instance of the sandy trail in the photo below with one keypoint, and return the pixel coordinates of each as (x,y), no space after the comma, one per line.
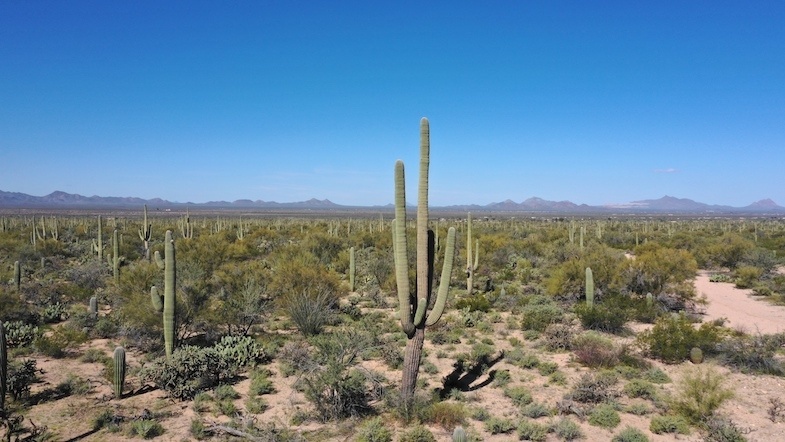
(743,312)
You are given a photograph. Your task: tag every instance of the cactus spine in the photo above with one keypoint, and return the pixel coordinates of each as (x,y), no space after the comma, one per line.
(412,306)
(470,267)
(351,270)
(144,234)
(589,287)
(119,371)
(3,366)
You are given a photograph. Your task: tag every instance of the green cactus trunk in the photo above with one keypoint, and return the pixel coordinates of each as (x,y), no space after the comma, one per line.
(471,267)
(169,294)
(115,257)
(3,366)
(459,434)
(119,372)
(589,287)
(351,270)
(144,234)
(93,307)
(17,276)
(100,246)
(413,306)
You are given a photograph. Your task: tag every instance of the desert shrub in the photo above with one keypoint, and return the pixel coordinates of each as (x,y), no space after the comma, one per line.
(294,356)
(224,392)
(20,377)
(519,395)
(594,350)
(374,430)
(567,429)
(640,388)
(558,336)
(610,315)
(476,302)
(673,336)
(538,314)
(447,415)
(242,351)
(20,334)
(630,434)
(188,371)
(533,431)
(146,428)
(261,383)
(547,368)
(108,419)
(74,385)
(106,327)
(669,423)
(594,388)
(417,433)
(499,425)
(535,410)
(604,416)
(753,354)
(762,290)
(502,379)
(391,354)
(256,405)
(522,359)
(699,394)
(310,311)
(720,277)
(637,409)
(335,388)
(60,341)
(747,276)
(656,376)
(723,429)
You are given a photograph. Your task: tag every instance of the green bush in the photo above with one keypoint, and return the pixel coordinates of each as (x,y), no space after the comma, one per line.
(630,434)
(608,316)
(538,315)
(723,429)
(519,395)
(61,341)
(188,371)
(374,430)
(146,428)
(499,425)
(594,388)
(241,351)
(535,410)
(474,303)
(20,377)
(699,394)
(604,416)
(417,433)
(673,336)
(669,424)
(594,350)
(753,354)
(747,276)
(533,431)
(447,415)
(640,388)
(567,429)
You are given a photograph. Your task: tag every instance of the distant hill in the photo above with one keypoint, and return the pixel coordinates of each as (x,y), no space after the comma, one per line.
(666,204)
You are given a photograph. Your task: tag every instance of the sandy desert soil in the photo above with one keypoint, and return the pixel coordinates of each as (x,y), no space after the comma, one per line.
(70,418)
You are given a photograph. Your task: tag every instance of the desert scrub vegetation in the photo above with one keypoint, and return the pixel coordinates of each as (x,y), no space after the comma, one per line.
(264,308)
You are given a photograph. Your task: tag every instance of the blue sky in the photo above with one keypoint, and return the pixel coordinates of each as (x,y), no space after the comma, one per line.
(592,102)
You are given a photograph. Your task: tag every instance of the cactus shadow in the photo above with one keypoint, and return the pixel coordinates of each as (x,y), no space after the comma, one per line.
(463,376)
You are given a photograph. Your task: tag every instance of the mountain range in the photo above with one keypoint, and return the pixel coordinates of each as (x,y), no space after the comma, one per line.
(666,204)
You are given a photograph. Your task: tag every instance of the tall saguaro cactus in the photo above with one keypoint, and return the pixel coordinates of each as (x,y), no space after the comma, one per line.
(413,306)
(3,366)
(351,270)
(17,276)
(471,267)
(144,234)
(168,305)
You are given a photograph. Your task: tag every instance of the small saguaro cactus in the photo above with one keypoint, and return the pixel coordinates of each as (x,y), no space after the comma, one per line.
(93,306)
(167,305)
(413,305)
(459,434)
(696,355)
(471,267)
(589,287)
(17,276)
(115,257)
(119,372)
(351,270)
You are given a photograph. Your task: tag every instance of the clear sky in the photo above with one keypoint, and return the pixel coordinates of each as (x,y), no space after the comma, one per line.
(589,101)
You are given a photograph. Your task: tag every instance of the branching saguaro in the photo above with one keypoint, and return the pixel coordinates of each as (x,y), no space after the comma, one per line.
(413,305)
